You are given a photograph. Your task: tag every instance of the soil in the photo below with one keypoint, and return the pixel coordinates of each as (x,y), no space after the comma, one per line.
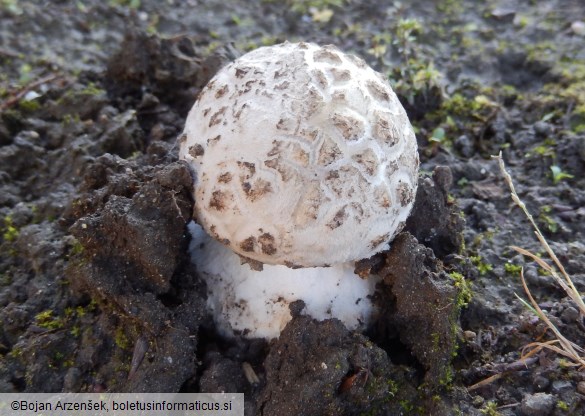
(96,285)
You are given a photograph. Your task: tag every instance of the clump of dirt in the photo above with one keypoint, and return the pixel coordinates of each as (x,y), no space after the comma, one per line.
(321,368)
(130,223)
(420,287)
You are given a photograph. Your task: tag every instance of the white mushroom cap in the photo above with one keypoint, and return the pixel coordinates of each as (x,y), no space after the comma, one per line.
(303,156)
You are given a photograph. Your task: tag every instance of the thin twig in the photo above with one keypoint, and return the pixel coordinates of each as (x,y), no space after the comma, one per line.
(18,93)
(523,362)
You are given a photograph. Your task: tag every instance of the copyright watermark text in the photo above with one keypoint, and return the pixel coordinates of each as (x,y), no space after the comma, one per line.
(126,404)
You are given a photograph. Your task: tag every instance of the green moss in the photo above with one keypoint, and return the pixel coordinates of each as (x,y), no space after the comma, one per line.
(449,7)
(70,119)
(5,279)
(92,89)
(133,4)
(120,338)
(448,376)
(464,294)
(26,74)
(541,51)
(546,221)
(513,269)
(523,21)
(406,405)
(16,352)
(46,320)
(392,387)
(29,106)
(482,267)
(545,149)
(490,409)
(80,311)
(568,91)
(73,96)
(478,107)
(10,232)
(305,6)
(76,247)
(510,92)
(269,40)
(563,406)
(75,331)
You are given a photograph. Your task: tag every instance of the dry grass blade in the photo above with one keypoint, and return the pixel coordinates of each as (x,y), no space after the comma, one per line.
(546,267)
(567,348)
(535,347)
(573,292)
(486,381)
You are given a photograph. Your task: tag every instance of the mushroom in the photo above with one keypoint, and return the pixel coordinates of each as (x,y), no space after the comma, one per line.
(303,158)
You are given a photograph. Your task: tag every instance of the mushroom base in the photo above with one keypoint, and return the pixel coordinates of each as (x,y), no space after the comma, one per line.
(256,303)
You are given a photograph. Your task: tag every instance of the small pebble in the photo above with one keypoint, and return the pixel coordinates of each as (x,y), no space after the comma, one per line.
(464,146)
(538,404)
(561,386)
(570,315)
(534,278)
(542,128)
(581,387)
(469,336)
(578,28)
(505,14)
(540,383)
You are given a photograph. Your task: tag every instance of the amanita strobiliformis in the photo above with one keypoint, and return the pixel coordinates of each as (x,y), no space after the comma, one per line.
(303,157)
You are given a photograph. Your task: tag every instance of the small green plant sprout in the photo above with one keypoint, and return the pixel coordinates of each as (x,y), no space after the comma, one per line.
(558,175)
(406,32)
(438,135)
(321,15)
(546,220)
(490,409)
(133,4)
(47,320)
(482,267)
(574,353)
(10,232)
(380,43)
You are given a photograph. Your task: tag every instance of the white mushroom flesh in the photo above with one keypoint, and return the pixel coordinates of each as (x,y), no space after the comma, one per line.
(256,303)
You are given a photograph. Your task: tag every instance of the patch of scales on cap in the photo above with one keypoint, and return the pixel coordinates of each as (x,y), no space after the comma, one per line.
(306,145)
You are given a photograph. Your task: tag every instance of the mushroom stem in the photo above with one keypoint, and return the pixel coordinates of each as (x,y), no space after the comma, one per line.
(256,303)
